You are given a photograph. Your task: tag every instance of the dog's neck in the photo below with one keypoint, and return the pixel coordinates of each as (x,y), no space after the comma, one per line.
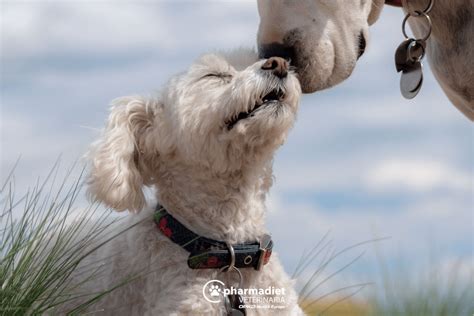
(450,21)
(228,207)
(449,49)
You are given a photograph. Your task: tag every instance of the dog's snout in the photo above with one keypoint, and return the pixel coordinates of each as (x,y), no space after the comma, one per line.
(277,65)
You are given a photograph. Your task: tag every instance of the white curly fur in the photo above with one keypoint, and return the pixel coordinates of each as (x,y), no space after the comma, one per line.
(212,179)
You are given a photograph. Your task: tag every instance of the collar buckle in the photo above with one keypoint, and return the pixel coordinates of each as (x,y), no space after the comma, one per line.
(264,248)
(231,264)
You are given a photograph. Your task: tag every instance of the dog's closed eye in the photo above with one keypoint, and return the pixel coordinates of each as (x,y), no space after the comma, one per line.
(224,76)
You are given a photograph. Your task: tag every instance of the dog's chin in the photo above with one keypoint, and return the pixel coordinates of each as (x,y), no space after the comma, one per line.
(265,130)
(324,66)
(311,80)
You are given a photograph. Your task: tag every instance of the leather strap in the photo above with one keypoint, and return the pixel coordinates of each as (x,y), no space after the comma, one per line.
(206,253)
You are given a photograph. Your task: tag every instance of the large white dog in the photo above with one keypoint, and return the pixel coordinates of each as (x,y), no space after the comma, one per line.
(324,38)
(206,145)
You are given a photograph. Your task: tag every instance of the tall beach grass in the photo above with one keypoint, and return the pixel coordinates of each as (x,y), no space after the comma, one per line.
(430,290)
(44,237)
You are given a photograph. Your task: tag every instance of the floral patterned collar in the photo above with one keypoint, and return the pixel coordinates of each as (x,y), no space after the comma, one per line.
(208,253)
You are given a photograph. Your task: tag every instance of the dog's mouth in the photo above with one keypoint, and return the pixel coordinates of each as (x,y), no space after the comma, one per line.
(276,95)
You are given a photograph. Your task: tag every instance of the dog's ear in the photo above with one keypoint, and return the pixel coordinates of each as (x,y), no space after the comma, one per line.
(115,176)
(376,9)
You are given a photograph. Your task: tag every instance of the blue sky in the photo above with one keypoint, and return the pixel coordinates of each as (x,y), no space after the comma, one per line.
(361,161)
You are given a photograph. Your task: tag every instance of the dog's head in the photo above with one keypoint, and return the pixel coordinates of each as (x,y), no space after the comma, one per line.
(214,117)
(322,38)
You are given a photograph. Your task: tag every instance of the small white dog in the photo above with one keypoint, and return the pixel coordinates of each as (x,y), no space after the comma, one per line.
(206,145)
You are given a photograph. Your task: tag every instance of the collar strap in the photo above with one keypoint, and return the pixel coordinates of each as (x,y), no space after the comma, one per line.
(208,253)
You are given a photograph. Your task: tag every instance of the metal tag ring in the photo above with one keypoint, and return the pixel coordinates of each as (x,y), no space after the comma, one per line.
(416,13)
(229,268)
(410,57)
(421,14)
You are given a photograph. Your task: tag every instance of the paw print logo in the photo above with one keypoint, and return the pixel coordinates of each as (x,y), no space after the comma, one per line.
(212,291)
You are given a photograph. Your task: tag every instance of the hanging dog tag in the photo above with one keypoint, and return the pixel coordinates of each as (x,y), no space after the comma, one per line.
(233,305)
(401,55)
(411,81)
(407,60)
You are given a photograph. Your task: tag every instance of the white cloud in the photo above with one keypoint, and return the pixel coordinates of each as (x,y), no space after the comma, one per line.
(100,27)
(373,175)
(55,28)
(416,175)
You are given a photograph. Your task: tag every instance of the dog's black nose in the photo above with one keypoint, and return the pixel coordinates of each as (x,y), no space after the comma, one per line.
(276,49)
(277,65)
